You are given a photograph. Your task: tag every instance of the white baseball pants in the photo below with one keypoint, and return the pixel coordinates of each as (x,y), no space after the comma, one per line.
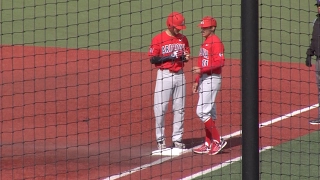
(209,85)
(169,84)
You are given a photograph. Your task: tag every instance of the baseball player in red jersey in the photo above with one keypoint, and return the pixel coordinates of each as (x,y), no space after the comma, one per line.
(169,50)
(207,84)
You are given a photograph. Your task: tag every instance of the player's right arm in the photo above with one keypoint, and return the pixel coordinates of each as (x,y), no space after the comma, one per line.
(155,53)
(197,69)
(160,60)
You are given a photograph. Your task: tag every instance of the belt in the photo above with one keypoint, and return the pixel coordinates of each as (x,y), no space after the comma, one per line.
(170,70)
(209,74)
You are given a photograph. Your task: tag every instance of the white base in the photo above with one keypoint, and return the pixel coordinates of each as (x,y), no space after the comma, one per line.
(169,152)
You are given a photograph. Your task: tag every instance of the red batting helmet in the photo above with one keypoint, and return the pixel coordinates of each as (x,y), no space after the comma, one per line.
(176,20)
(208,21)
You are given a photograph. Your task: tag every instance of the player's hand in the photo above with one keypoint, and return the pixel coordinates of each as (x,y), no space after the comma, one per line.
(187,56)
(308,61)
(195,87)
(196,70)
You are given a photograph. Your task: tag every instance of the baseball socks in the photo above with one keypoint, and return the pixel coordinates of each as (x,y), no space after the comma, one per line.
(211,134)
(211,131)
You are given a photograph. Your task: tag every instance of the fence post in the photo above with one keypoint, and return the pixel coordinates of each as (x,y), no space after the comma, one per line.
(250,89)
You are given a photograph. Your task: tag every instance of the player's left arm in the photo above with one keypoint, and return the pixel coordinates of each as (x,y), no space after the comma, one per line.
(186,49)
(313,44)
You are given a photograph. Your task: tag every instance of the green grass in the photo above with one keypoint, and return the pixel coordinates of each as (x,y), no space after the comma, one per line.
(129,25)
(295,160)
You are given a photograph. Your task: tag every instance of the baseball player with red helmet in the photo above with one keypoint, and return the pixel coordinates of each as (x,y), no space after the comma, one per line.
(207,84)
(169,50)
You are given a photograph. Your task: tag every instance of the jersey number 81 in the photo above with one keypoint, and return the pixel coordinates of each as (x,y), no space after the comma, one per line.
(204,62)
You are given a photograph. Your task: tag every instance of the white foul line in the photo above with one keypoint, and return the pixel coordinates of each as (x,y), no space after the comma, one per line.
(159,161)
(237,133)
(226,163)
(289,115)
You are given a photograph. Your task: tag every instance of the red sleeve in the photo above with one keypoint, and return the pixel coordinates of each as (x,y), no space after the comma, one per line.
(155,47)
(186,42)
(216,57)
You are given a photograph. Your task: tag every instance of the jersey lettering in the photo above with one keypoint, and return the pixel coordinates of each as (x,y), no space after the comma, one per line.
(204,53)
(166,49)
(172,47)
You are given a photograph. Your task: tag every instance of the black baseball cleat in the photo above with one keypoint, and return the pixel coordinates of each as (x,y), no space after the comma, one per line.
(315,122)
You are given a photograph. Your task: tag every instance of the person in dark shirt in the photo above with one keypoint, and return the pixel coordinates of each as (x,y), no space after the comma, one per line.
(314,50)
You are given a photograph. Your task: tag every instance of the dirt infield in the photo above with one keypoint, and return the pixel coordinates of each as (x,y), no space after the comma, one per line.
(80,114)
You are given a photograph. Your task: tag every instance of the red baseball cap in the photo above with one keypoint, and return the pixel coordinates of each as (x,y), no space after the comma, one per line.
(208,21)
(176,20)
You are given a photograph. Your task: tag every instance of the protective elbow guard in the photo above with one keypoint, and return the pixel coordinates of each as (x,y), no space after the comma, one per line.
(159,60)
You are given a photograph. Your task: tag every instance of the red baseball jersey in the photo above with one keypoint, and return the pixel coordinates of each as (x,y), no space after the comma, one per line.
(163,45)
(211,56)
